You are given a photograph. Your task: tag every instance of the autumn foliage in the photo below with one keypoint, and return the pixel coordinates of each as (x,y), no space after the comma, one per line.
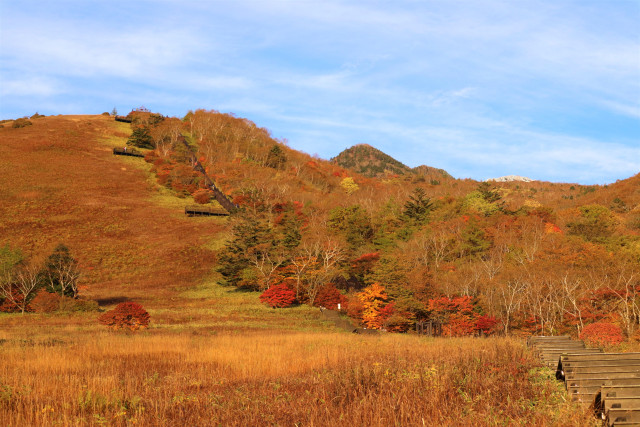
(14,304)
(602,334)
(329,297)
(458,316)
(126,315)
(278,296)
(202,196)
(45,302)
(487,324)
(374,306)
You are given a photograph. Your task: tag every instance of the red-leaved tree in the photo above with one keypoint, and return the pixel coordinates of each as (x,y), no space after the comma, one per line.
(278,296)
(455,313)
(486,324)
(329,297)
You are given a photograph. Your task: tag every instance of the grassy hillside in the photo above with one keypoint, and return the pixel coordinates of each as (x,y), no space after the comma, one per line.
(60,183)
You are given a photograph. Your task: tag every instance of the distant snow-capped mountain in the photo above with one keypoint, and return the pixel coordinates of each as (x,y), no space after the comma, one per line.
(510,178)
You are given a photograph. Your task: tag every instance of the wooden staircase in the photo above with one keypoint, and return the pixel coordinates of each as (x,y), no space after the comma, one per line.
(609,382)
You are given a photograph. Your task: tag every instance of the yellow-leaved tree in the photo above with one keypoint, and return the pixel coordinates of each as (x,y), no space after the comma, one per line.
(374,298)
(349,185)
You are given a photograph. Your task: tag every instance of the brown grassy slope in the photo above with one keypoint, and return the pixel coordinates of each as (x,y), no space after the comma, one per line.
(60,183)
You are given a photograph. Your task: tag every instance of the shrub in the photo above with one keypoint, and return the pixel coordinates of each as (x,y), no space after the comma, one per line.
(278,296)
(45,302)
(20,123)
(397,322)
(202,196)
(37,116)
(602,334)
(129,315)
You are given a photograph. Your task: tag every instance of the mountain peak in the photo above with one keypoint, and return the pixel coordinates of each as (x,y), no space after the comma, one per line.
(369,161)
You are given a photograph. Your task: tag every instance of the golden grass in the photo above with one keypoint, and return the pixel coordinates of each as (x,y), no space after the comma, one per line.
(275,378)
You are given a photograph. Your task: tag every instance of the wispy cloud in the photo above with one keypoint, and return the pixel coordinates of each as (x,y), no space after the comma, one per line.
(30,86)
(547,89)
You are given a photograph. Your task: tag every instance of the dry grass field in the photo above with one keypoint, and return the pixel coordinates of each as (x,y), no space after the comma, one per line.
(275,378)
(212,356)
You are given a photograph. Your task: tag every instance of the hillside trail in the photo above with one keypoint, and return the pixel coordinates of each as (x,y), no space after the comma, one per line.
(60,183)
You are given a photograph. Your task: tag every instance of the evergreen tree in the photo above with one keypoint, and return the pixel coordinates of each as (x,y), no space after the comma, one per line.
(276,158)
(490,194)
(354,223)
(141,138)
(418,207)
(290,230)
(249,236)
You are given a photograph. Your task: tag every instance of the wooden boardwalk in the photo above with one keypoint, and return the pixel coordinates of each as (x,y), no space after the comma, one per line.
(199,210)
(609,382)
(127,152)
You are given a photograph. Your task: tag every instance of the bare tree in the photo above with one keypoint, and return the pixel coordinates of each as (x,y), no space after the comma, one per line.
(19,287)
(628,306)
(266,264)
(511,295)
(318,265)
(62,273)
(570,292)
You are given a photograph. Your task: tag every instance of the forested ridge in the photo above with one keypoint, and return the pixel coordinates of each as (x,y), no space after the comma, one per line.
(530,257)
(371,162)
(514,257)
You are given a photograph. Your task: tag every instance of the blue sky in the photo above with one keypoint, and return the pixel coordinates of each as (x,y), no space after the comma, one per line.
(481,88)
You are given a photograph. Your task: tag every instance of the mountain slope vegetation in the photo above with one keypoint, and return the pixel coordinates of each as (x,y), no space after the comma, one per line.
(525,257)
(480,258)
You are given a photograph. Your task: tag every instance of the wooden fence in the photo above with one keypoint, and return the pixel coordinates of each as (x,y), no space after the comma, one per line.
(431,328)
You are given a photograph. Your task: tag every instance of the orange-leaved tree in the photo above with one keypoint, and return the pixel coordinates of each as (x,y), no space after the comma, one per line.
(455,313)
(374,298)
